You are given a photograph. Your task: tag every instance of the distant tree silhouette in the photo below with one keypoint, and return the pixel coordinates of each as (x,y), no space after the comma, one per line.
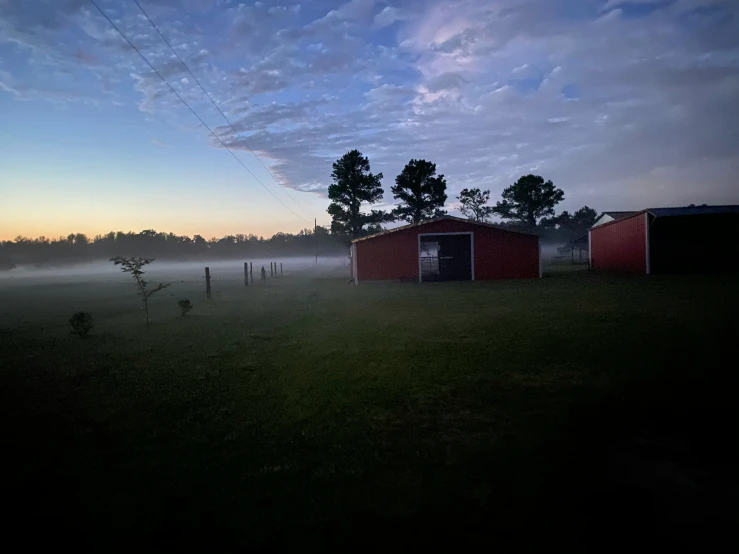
(420,191)
(354,186)
(576,224)
(5,261)
(528,200)
(77,247)
(474,204)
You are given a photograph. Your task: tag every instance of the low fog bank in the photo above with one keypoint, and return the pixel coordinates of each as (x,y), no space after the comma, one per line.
(550,252)
(558,253)
(104,270)
(224,269)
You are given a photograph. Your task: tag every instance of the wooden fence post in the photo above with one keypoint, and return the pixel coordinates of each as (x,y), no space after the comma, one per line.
(280,269)
(271,270)
(207,282)
(246,274)
(251,272)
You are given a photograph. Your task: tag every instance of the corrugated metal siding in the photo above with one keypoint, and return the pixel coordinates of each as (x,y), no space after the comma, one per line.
(501,255)
(498,254)
(620,246)
(392,256)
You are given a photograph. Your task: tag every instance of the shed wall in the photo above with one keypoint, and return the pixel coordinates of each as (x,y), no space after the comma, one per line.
(620,246)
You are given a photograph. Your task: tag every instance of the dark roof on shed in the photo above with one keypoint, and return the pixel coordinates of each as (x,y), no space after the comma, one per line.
(693,210)
(679,212)
(442,218)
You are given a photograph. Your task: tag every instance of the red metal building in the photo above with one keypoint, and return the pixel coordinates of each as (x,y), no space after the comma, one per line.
(668,240)
(446,249)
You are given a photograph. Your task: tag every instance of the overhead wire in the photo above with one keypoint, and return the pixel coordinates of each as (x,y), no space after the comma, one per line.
(207,94)
(132,45)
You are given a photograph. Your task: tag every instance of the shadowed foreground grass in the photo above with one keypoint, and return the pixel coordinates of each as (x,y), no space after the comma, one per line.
(576,412)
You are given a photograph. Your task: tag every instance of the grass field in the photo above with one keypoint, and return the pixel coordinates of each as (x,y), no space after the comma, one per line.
(577,412)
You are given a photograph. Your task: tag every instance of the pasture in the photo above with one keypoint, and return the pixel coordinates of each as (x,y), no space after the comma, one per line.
(574,412)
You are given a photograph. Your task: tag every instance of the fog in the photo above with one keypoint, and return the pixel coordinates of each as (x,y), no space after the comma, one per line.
(106,271)
(549,251)
(227,269)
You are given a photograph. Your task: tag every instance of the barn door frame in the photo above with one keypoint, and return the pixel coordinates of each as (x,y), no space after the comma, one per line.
(472,250)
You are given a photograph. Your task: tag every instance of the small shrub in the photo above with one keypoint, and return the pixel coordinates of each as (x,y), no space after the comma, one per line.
(81,323)
(135,266)
(185,306)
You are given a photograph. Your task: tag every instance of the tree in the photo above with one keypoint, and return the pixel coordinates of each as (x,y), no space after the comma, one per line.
(578,223)
(528,200)
(421,192)
(572,225)
(134,267)
(474,204)
(352,186)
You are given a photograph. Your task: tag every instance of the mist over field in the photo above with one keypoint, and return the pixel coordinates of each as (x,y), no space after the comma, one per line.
(104,270)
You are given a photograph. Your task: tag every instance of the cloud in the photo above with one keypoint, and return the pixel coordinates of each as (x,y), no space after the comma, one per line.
(387,17)
(622,104)
(25,92)
(389,92)
(446,81)
(259,118)
(159,142)
(611,4)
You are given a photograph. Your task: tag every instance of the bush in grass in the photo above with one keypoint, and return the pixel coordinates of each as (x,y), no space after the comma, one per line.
(81,323)
(185,306)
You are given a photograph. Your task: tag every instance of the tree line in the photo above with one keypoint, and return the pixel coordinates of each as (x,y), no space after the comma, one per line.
(78,247)
(420,193)
(528,204)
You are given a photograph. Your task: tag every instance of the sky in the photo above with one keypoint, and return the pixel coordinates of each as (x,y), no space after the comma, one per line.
(624,105)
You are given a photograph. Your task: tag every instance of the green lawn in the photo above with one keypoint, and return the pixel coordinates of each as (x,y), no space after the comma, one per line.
(574,412)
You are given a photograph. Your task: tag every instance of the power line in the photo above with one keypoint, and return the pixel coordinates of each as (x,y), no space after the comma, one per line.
(193,111)
(207,94)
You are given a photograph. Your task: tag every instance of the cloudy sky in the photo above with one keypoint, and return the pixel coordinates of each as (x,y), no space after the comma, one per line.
(624,105)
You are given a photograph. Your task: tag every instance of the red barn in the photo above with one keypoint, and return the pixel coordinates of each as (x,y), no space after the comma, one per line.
(446,249)
(668,240)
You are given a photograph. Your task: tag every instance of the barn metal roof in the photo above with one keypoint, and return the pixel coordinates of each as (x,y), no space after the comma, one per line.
(442,218)
(618,215)
(693,210)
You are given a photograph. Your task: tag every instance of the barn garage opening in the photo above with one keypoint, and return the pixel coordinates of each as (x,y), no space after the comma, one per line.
(445,257)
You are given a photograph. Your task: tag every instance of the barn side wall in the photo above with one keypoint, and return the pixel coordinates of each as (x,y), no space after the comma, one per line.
(498,254)
(620,246)
(388,257)
(503,255)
